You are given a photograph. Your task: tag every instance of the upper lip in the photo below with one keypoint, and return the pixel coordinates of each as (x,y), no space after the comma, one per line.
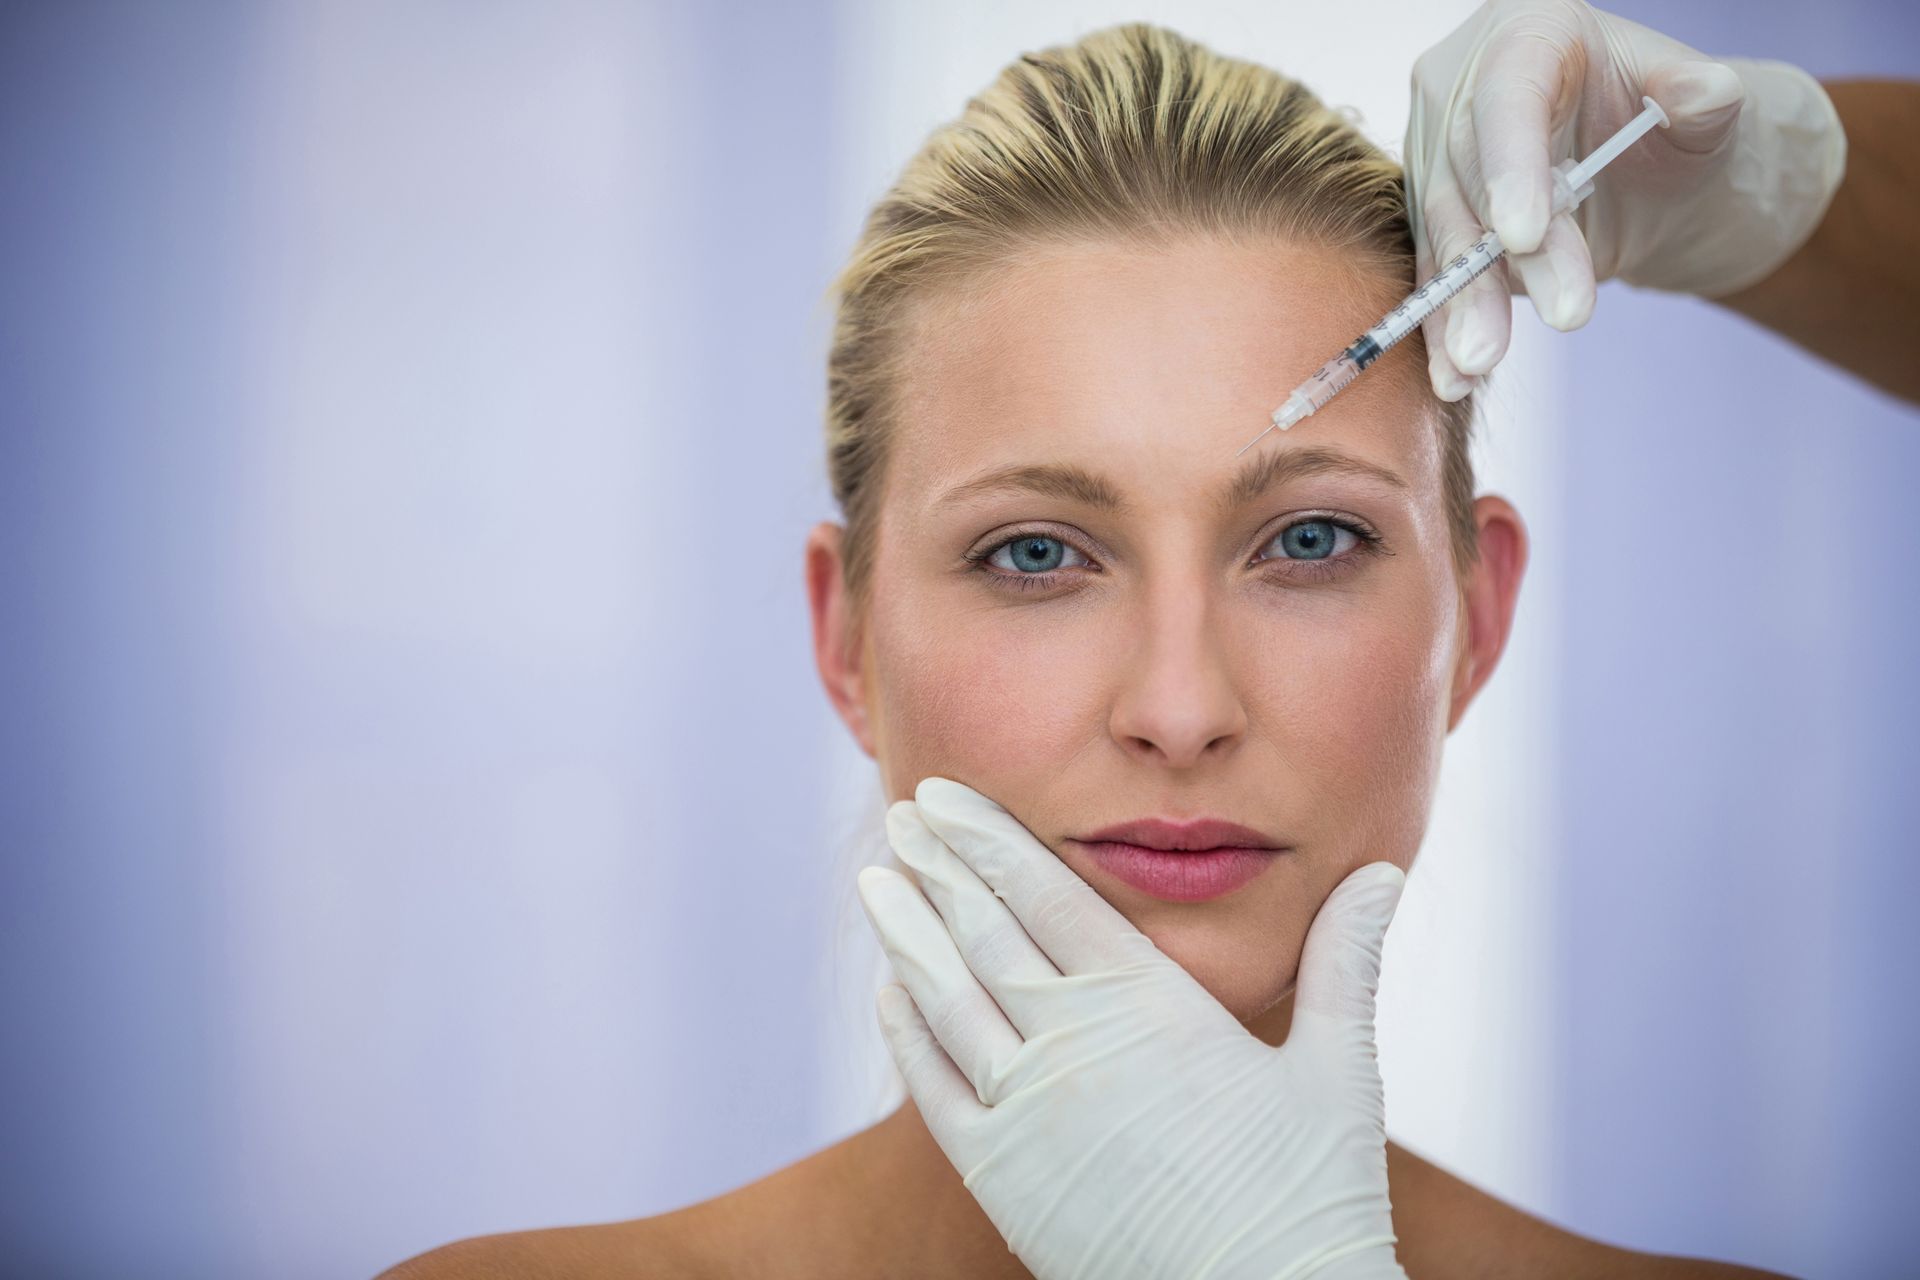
(1201,833)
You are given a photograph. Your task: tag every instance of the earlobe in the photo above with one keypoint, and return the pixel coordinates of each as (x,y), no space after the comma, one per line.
(836,649)
(1492,589)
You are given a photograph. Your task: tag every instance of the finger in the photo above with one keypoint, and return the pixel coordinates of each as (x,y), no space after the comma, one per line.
(991,939)
(1449,383)
(1479,319)
(1480,323)
(968,1024)
(1522,78)
(1340,964)
(1077,928)
(1702,100)
(1559,276)
(945,1097)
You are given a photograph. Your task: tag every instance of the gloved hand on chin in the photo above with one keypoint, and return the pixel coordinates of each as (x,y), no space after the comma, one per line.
(1110,1116)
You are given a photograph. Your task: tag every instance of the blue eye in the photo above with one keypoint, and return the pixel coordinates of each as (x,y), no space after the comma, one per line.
(1315,539)
(1026,562)
(1315,549)
(1030,553)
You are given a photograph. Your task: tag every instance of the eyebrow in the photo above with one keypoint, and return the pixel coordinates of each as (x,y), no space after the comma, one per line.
(1065,480)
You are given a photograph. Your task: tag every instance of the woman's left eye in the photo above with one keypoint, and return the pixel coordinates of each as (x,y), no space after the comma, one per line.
(1317,539)
(1318,549)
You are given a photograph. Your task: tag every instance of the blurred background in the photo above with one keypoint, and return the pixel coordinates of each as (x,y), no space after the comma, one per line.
(420,815)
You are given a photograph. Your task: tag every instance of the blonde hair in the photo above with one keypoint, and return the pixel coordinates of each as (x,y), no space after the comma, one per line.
(1136,134)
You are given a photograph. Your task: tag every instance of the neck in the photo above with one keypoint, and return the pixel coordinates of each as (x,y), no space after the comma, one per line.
(917,1215)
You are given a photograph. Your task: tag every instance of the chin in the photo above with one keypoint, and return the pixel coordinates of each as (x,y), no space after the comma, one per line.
(1247,976)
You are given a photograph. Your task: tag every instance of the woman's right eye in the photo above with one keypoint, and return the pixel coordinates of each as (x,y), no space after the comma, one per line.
(1028,560)
(1030,554)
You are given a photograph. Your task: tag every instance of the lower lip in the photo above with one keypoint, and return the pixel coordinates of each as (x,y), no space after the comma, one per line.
(1181,877)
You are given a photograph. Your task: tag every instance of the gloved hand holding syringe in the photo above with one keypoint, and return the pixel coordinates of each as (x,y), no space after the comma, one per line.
(1572,183)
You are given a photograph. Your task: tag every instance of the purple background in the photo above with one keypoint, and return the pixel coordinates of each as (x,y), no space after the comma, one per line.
(1740,712)
(1741,727)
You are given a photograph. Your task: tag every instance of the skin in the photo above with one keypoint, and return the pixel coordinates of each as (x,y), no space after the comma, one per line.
(1143,679)
(1147,678)
(1850,293)
(886,1200)
(1181,664)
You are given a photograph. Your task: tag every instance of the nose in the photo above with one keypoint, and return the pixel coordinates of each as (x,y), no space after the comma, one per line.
(1178,700)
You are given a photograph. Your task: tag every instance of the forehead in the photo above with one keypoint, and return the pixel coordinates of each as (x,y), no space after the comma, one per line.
(1151,363)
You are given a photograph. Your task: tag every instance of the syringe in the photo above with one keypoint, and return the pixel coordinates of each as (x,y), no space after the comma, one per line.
(1572,183)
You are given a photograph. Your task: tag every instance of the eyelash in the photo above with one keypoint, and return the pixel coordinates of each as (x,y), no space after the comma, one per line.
(1370,544)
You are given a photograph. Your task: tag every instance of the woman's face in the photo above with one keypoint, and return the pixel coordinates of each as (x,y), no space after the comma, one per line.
(1279,640)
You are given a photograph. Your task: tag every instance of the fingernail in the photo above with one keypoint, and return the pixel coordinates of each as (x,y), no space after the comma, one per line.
(1563,301)
(1699,88)
(1519,214)
(935,792)
(1377,889)
(871,881)
(909,858)
(1450,336)
(916,860)
(899,820)
(1390,882)
(1549,290)
(1450,386)
(894,1001)
(1469,342)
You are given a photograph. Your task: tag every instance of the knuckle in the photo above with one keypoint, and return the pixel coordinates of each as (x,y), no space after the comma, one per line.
(1426,70)
(951,1017)
(1061,907)
(995,951)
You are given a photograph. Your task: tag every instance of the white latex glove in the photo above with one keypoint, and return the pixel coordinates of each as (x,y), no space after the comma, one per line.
(1710,204)
(1111,1117)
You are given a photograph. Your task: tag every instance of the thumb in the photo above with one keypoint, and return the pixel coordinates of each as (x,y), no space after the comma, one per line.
(1340,965)
(1702,100)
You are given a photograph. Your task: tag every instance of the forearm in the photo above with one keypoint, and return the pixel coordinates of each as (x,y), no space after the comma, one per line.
(1603,1262)
(1851,293)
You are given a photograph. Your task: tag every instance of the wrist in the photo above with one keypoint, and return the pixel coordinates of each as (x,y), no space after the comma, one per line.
(1785,162)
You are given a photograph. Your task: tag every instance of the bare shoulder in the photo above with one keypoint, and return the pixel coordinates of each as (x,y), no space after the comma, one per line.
(783,1224)
(791,1223)
(671,1246)
(1448,1227)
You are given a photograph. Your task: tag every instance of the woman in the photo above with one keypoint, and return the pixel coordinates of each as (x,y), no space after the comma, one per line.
(1055,583)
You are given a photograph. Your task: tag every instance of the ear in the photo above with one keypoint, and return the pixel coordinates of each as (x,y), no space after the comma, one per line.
(836,644)
(1492,586)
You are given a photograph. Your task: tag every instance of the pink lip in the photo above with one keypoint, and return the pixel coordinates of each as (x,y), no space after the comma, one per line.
(1201,833)
(1181,877)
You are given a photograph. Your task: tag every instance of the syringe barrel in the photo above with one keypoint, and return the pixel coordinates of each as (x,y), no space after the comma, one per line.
(1472,262)
(1572,183)
(1426,300)
(1329,378)
(1336,373)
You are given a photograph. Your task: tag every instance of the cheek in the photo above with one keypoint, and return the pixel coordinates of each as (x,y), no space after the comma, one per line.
(977,692)
(1356,698)
(1364,722)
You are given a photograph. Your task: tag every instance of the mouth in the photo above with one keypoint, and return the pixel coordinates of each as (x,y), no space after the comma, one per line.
(1196,836)
(1183,861)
